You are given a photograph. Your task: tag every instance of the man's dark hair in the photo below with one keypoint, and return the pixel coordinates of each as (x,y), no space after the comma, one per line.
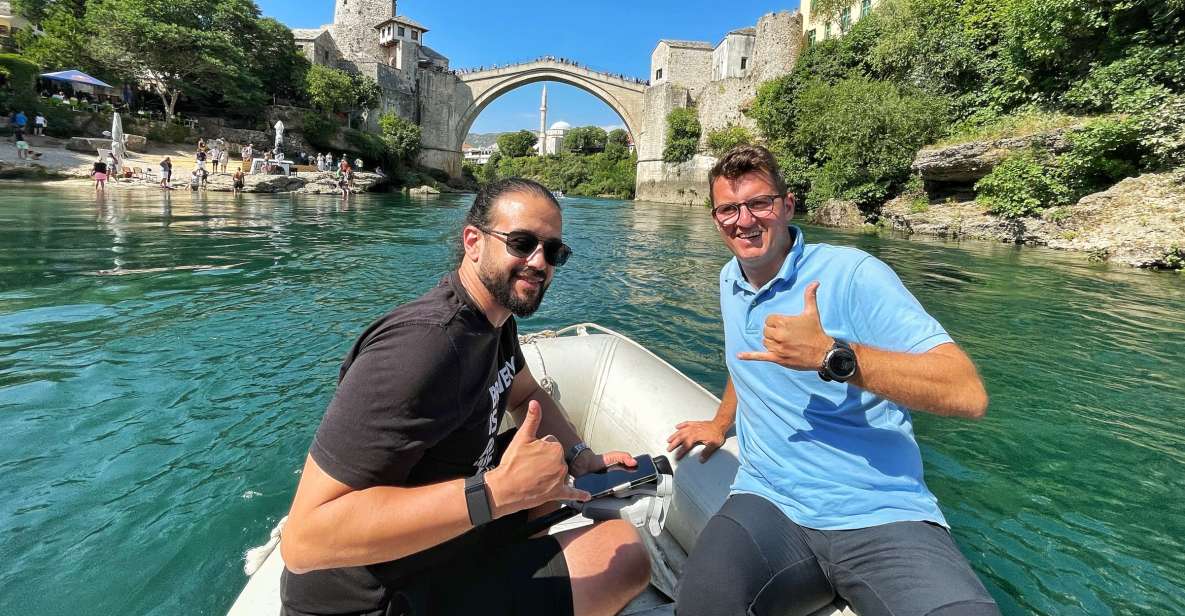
(745,159)
(487,197)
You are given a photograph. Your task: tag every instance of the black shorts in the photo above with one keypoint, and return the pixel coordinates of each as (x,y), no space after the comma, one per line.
(523,577)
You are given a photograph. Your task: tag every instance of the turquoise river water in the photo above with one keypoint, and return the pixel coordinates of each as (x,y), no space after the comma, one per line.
(165,359)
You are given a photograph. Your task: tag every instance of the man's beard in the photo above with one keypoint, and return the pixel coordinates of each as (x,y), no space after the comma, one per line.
(501,288)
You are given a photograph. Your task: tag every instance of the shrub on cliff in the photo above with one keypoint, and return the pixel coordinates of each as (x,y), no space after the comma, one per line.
(401,136)
(722,140)
(683,131)
(1024,184)
(318,130)
(861,137)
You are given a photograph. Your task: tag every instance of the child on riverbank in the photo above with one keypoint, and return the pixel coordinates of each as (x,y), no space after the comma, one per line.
(99,173)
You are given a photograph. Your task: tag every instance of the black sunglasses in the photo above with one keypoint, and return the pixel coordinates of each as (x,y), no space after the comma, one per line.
(522,244)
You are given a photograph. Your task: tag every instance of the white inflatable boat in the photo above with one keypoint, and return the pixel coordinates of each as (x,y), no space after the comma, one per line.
(619,396)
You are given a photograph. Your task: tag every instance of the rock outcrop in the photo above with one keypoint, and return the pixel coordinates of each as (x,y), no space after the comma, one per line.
(305,183)
(966,163)
(836,213)
(1138,222)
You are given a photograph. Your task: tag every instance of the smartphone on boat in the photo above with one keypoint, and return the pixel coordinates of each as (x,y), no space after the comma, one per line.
(618,478)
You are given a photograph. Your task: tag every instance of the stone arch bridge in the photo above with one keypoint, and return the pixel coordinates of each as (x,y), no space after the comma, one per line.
(454,100)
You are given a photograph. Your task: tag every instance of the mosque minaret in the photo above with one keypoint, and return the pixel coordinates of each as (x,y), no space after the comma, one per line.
(543,123)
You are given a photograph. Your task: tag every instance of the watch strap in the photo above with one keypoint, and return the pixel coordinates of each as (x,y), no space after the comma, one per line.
(477,500)
(575,451)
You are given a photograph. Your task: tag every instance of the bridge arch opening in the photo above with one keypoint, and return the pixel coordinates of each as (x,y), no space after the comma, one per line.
(568,107)
(621,94)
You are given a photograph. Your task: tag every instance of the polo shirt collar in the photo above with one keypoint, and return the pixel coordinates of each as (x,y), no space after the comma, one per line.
(736,276)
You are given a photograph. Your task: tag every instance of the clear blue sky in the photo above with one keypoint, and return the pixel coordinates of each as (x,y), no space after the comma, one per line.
(611,35)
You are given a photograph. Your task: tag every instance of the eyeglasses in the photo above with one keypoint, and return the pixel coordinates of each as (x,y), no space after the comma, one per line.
(522,244)
(760,207)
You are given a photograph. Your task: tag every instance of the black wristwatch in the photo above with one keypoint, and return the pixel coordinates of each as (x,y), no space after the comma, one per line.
(477,500)
(839,364)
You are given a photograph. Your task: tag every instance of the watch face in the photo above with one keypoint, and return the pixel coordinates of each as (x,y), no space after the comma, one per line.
(842,363)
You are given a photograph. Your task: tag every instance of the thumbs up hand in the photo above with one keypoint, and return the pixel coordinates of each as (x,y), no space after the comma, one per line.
(532,472)
(795,342)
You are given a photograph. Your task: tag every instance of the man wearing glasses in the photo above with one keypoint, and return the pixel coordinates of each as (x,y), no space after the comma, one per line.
(410,502)
(826,352)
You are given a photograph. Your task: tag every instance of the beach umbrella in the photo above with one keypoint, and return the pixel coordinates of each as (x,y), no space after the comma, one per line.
(117,139)
(279,134)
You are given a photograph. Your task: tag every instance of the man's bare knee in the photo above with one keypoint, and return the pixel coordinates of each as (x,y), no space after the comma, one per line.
(608,564)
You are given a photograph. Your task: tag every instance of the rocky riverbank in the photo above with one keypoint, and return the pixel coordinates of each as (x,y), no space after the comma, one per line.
(1138,222)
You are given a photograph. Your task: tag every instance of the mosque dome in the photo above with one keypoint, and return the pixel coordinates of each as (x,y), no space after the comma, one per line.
(561,125)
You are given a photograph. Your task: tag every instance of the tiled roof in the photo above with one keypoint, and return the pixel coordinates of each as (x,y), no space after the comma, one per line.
(751,31)
(407,21)
(306,33)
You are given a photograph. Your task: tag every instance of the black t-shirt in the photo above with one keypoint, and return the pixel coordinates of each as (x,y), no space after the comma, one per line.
(419,400)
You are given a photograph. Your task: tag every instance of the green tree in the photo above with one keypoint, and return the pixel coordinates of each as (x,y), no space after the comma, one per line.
(62,42)
(586,139)
(181,47)
(329,89)
(683,131)
(618,136)
(401,136)
(516,145)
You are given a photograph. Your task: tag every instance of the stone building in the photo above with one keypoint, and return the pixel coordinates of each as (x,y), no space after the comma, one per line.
(719,81)
(369,37)
(815,28)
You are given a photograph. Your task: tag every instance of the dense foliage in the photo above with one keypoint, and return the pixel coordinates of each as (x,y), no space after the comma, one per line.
(18,77)
(683,131)
(944,67)
(594,175)
(217,54)
(586,139)
(514,145)
(725,139)
(401,136)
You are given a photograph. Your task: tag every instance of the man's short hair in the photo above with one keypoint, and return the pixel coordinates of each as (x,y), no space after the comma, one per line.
(745,159)
(487,197)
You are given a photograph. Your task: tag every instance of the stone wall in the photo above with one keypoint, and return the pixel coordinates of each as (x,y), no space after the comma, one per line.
(685,183)
(438,126)
(719,104)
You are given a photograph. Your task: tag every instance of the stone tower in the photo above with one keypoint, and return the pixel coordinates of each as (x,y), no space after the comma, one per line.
(353,26)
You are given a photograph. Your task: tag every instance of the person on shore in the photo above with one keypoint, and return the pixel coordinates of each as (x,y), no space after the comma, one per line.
(224,158)
(196,179)
(320,161)
(22,146)
(410,502)
(358,164)
(345,177)
(112,165)
(826,352)
(99,174)
(201,145)
(166,173)
(247,153)
(200,157)
(20,120)
(237,181)
(39,124)
(215,158)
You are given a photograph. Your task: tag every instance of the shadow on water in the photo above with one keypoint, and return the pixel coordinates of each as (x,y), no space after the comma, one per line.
(164,360)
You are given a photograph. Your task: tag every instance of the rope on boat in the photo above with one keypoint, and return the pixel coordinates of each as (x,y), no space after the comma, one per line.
(255,557)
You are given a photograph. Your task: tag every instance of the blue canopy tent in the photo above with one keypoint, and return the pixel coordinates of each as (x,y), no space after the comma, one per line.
(77,77)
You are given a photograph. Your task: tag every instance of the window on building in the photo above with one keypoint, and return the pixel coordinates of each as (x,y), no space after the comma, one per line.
(744,63)
(827,32)
(811,36)
(415,35)
(845,20)
(658,74)
(402,32)
(865,8)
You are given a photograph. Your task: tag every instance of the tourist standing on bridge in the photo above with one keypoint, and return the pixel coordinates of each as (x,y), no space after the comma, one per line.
(410,501)
(826,352)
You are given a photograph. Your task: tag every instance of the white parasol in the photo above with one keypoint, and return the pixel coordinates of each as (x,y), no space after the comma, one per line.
(117,140)
(279,134)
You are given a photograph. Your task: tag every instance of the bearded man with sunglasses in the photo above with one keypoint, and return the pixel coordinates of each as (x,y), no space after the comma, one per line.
(826,353)
(410,501)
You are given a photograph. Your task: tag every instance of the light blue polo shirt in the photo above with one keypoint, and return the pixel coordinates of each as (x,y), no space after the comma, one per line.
(831,456)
